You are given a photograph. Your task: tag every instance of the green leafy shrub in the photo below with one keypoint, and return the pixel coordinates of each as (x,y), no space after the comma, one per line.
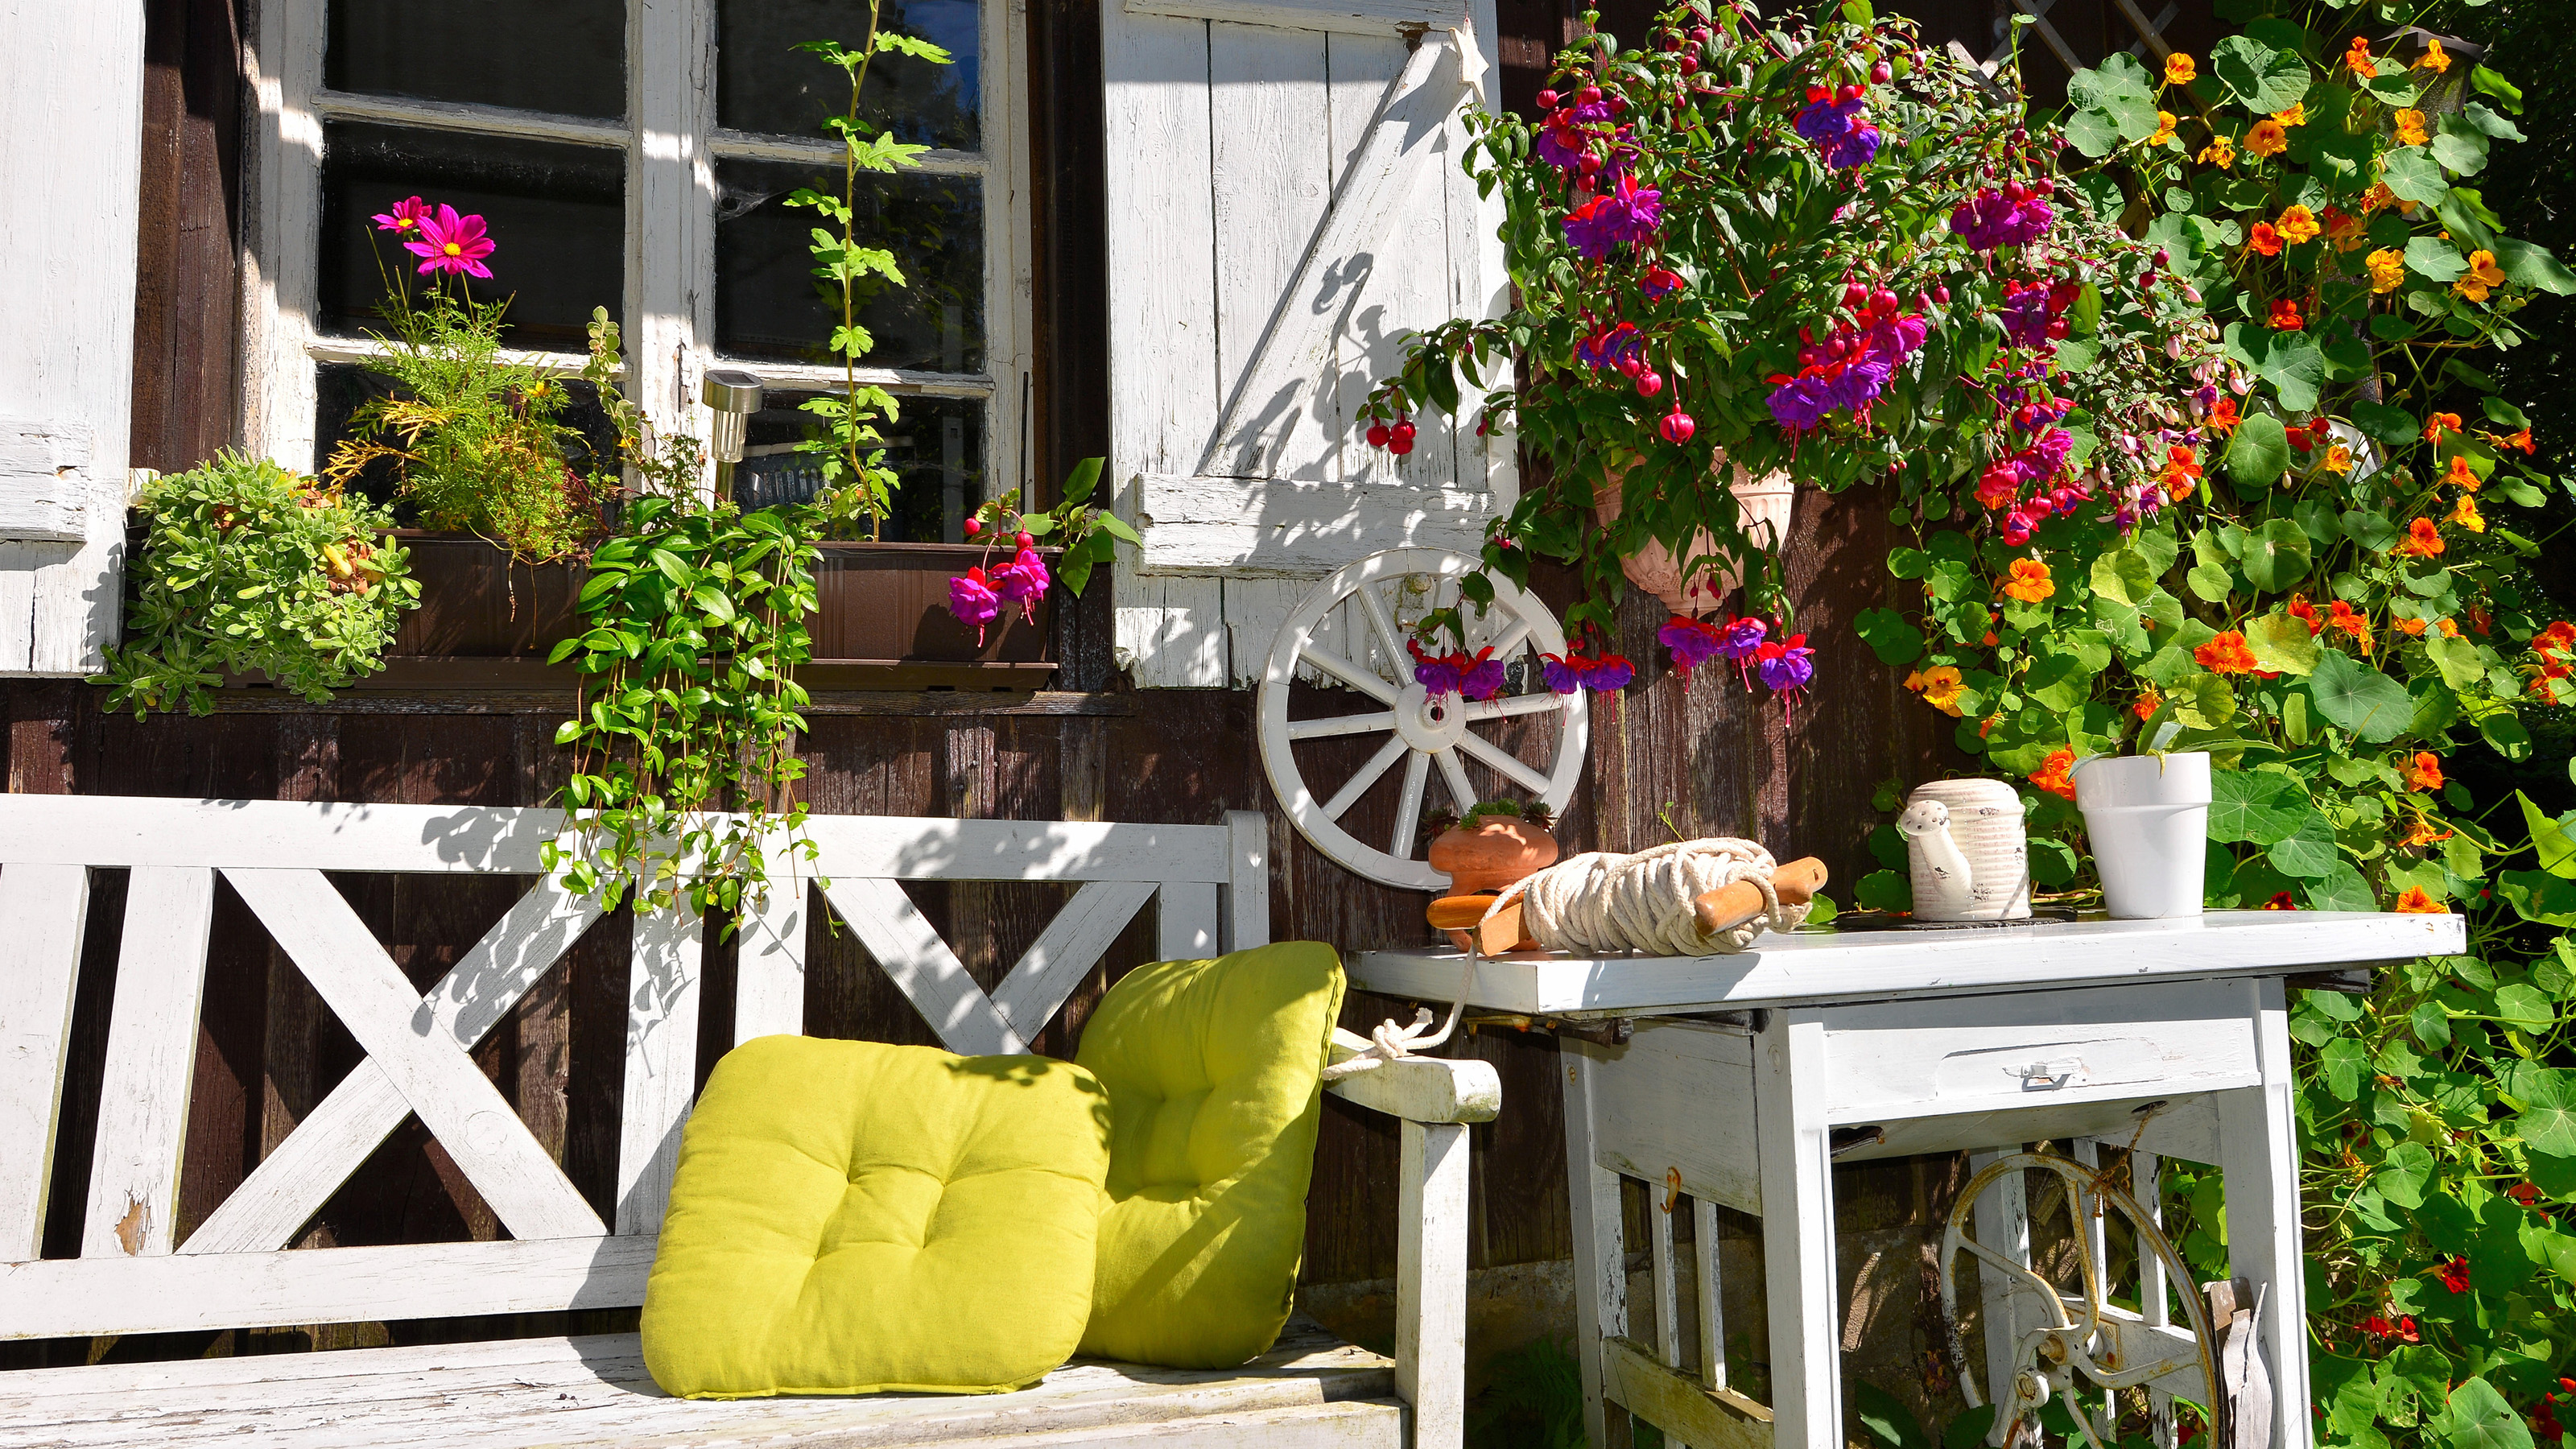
(250,567)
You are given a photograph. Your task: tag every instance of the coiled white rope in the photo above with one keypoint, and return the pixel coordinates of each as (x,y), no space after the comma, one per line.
(1645,902)
(1600,901)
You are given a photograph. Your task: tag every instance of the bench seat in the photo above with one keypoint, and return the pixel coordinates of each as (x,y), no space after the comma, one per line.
(1311,1389)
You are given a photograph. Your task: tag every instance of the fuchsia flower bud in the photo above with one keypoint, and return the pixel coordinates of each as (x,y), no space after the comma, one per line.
(1677,426)
(1547,100)
(1649,383)
(973,527)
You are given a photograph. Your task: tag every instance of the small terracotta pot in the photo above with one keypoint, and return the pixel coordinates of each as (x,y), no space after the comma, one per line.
(1492,853)
(1764,505)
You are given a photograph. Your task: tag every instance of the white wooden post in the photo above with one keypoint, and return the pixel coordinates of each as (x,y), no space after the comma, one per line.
(1247,894)
(151,1063)
(2146,1184)
(1798,1230)
(72,170)
(1600,1258)
(2259,1155)
(46,907)
(2003,1225)
(1431,1282)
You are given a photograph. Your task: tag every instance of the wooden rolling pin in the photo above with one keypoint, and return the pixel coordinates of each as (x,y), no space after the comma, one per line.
(1719,910)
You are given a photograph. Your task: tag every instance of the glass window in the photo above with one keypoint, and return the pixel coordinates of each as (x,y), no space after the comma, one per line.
(342,387)
(563,56)
(766,85)
(936,446)
(557,215)
(770,305)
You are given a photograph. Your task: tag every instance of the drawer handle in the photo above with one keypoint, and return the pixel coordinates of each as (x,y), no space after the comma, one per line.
(2046,1076)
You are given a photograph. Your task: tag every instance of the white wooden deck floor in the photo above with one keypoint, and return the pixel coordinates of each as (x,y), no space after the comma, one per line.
(1311,1391)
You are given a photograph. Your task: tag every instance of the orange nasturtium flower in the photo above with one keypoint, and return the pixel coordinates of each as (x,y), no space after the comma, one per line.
(2223,417)
(2296,115)
(2520,440)
(2030,582)
(2051,774)
(2299,226)
(2558,638)
(2412,628)
(2164,129)
(2449,629)
(2421,830)
(2179,69)
(2268,138)
(2410,128)
(2461,475)
(2357,58)
(1939,686)
(2423,540)
(2338,459)
(2344,618)
(2226,654)
(2219,152)
(2181,472)
(2483,274)
(2286,318)
(2440,423)
(2387,269)
(2415,903)
(2434,58)
(2425,773)
(2148,703)
(2345,230)
(2265,238)
(2465,515)
(2306,613)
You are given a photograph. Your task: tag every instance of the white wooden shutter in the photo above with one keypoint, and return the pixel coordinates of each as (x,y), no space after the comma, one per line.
(1285,202)
(71,168)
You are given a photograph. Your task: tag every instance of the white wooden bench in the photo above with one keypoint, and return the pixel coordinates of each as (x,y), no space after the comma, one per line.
(1206,885)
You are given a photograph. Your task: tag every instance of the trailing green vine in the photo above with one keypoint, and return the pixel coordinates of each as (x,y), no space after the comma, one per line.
(248,567)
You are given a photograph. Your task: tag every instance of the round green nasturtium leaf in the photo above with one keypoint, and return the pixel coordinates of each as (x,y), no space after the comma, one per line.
(2308,851)
(1890,635)
(1884,890)
(2276,556)
(2259,453)
(2341,889)
(2359,699)
(2257,807)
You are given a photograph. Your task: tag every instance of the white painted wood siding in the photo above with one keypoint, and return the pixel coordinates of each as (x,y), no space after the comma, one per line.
(73,116)
(1287,203)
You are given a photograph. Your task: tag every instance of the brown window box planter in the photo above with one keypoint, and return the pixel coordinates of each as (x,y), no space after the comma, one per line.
(883,623)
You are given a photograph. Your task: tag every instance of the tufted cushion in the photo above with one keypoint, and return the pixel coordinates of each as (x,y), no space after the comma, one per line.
(850,1217)
(1213,1070)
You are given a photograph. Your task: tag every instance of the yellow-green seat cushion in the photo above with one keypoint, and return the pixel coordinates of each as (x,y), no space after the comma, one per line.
(850,1217)
(1214,1076)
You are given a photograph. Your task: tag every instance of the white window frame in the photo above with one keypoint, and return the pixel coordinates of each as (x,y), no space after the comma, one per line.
(671,143)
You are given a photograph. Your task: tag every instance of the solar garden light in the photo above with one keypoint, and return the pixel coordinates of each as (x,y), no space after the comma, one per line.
(734,396)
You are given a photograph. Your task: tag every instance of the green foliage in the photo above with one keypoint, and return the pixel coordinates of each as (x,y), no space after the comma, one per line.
(850,447)
(688,704)
(1533,1399)
(249,567)
(476,442)
(1085,534)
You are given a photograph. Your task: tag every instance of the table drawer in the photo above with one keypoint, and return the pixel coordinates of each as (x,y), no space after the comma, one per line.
(1992,1053)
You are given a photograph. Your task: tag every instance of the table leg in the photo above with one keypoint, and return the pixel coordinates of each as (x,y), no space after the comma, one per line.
(2259,1154)
(2003,1225)
(1600,1257)
(1798,1231)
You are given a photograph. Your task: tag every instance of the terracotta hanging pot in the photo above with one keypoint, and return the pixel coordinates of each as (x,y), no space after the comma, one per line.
(1763,503)
(1491,852)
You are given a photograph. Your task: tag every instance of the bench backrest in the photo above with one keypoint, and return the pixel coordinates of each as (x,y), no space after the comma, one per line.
(1206,882)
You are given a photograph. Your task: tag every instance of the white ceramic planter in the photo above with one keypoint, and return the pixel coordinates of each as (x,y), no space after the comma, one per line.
(1967,852)
(2148,816)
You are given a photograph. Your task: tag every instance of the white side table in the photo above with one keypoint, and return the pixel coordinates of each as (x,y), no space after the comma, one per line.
(1743,1070)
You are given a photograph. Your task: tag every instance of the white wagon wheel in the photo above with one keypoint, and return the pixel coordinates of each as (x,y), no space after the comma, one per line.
(1424,731)
(2065,1333)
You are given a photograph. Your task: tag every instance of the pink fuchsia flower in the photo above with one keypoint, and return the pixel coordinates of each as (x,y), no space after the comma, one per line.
(1022,581)
(972,600)
(452,243)
(1614,219)
(2015,215)
(406,218)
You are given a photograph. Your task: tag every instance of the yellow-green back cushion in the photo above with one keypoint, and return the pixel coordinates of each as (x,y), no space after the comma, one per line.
(850,1217)
(1213,1070)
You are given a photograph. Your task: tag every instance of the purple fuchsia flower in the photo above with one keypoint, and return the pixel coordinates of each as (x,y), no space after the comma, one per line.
(1661,282)
(1786,667)
(1741,639)
(1022,581)
(2014,216)
(1606,673)
(1614,219)
(1693,642)
(452,243)
(972,600)
(1563,673)
(1562,147)
(1573,670)
(1855,147)
(1438,673)
(1850,368)
(1839,128)
(1615,347)
(1483,676)
(405,218)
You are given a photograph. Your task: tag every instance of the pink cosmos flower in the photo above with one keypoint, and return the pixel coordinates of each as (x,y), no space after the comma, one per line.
(407,217)
(452,243)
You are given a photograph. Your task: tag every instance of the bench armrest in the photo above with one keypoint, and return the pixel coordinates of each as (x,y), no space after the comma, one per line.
(1419,1089)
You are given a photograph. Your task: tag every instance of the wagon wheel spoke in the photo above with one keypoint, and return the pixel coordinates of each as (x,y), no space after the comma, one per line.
(1454,774)
(1408,800)
(1483,711)
(1340,724)
(1503,762)
(1365,681)
(1358,785)
(1512,639)
(1380,625)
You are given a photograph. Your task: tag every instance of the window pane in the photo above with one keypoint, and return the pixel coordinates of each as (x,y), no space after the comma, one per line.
(339,389)
(937,446)
(557,215)
(763,83)
(564,56)
(770,305)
